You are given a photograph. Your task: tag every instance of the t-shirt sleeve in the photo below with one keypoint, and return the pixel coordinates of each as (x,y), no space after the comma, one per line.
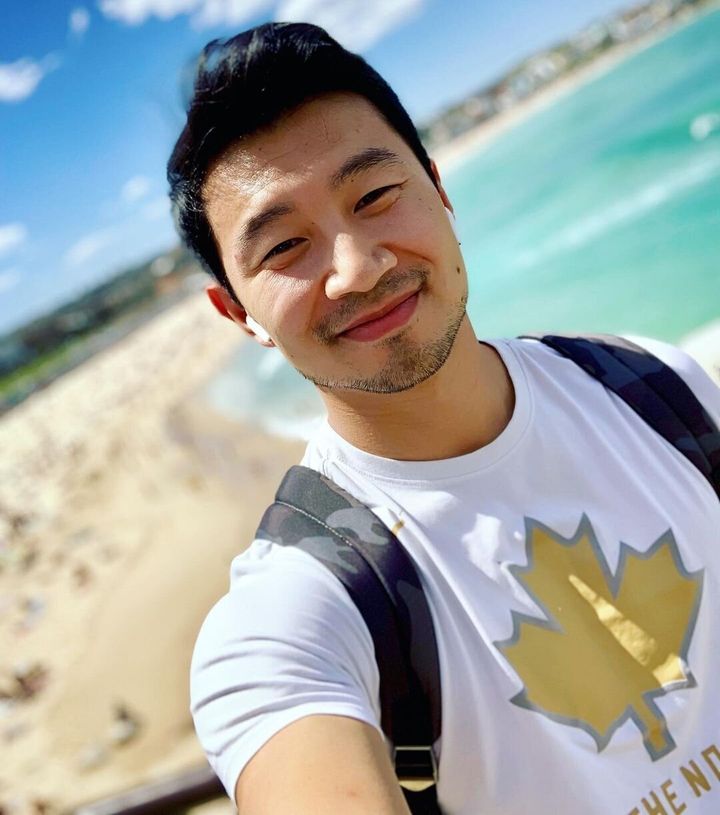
(285,642)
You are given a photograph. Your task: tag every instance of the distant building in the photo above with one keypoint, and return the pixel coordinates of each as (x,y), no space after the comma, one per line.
(590,39)
(479,108)
(633,23)
(543,68)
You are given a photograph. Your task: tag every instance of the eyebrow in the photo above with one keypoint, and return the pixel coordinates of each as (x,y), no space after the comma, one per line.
(362,161)
(258,223)
(358,163)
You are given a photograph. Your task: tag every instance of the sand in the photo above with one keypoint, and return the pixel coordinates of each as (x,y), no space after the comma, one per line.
(128,499)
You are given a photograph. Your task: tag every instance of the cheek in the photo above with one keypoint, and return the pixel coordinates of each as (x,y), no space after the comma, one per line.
(286,305)
(416,221)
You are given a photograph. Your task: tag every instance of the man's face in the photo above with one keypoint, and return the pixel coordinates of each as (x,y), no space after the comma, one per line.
(336,240)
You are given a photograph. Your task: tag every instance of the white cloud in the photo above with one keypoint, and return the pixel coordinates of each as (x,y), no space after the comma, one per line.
(227,12)
(9,279)
(135,188)
(357,24)
(11,236)
(205,13)
(134,12)
(88,247)
(79,21)
(19,79)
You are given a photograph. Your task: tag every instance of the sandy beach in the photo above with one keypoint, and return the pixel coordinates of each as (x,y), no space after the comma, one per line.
(123,499)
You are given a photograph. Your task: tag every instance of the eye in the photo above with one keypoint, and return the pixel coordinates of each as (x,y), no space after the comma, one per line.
(374,196)
(285,246)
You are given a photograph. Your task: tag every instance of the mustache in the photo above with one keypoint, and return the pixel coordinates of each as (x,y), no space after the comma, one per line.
(357,303)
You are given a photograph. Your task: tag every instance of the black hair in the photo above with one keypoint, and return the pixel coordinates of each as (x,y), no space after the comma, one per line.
(247,83)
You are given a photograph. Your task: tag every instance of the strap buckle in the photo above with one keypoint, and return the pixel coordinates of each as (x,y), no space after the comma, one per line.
(415,767)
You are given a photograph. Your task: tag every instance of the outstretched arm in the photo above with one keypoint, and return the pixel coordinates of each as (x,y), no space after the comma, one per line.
(321,765)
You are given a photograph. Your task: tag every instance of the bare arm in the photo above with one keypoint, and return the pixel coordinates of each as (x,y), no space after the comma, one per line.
(321,765)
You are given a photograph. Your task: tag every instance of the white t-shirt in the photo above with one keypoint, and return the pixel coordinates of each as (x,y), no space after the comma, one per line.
(572,568)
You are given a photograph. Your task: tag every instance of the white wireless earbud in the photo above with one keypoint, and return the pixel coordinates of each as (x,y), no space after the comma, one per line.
(451,218)
(260,332)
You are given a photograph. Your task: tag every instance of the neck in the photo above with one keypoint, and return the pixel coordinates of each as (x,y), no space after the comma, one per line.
(461,408)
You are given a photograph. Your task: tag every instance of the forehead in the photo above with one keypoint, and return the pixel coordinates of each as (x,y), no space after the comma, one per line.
(310,140)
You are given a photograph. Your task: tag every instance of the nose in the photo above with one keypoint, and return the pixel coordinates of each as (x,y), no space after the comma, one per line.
(357,265)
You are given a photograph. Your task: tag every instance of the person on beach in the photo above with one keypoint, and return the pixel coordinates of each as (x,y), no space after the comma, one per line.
(569,555)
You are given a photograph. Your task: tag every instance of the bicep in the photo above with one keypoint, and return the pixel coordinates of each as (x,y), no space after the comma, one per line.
(321,765)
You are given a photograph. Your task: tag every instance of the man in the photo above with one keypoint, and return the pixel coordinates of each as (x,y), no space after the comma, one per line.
(568,553)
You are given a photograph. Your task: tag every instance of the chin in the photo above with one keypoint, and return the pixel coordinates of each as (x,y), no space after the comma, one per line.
(409,362)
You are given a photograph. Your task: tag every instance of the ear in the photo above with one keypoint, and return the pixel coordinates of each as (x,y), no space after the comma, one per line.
(227,307)
(224,304)
(441,190)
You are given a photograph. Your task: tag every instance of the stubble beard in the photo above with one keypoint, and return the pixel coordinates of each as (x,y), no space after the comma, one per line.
(409,362)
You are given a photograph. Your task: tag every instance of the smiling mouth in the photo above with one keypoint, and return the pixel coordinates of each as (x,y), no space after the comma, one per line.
(378,323)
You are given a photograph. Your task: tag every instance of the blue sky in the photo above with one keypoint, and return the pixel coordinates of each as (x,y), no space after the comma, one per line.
(90,106)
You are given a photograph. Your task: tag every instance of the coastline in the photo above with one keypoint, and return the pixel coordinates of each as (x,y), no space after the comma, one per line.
(703,343)
(454,152)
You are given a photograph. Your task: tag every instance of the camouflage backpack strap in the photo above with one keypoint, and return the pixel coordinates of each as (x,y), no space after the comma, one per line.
(314,514)
(653,390)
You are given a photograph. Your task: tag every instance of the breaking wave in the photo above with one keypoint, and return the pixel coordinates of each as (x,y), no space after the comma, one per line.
(705,124)
(634,207)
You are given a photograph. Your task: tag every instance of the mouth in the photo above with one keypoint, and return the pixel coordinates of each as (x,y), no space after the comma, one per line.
(382,321)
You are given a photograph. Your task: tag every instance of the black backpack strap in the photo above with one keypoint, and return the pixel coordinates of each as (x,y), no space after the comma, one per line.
(653,390)
(314,514)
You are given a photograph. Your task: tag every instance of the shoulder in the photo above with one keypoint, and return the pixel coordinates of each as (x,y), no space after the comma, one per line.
(535,353)
(696,378)
(273,587)
(281,600)
(285,642)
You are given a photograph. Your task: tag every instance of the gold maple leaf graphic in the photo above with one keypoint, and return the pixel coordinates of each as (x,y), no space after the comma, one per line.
(610,644)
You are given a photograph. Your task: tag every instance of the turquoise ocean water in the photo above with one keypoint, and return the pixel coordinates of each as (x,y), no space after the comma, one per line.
(600,213)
